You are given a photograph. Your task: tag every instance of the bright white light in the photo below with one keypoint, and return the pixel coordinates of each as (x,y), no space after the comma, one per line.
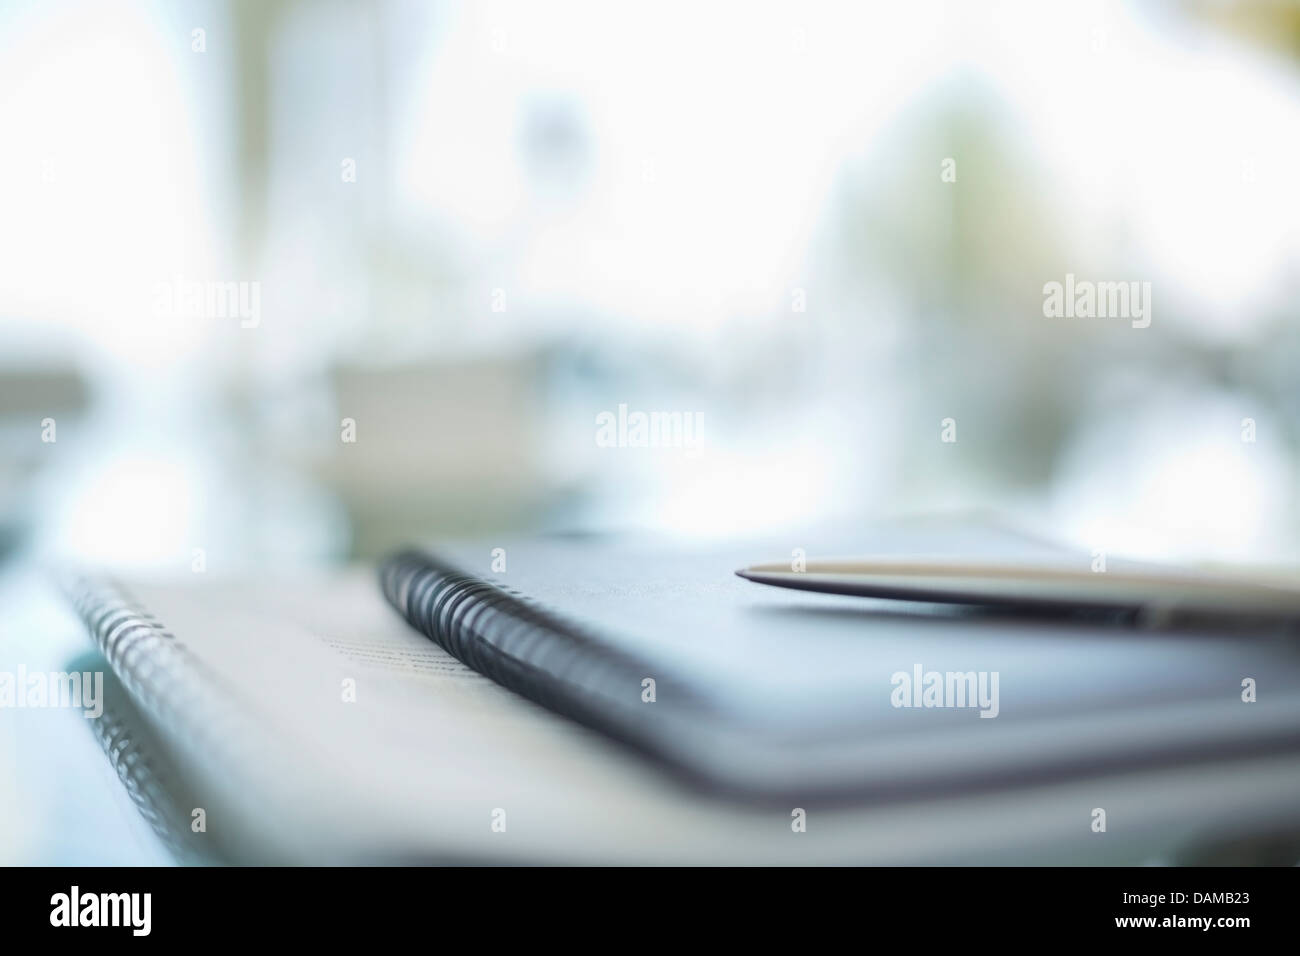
(1175,481)
(133,512)
(1173,139)
(100,190)
(715,134)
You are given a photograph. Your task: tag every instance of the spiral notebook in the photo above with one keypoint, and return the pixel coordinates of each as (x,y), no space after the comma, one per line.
(147,777)
(781,696)
(560,700)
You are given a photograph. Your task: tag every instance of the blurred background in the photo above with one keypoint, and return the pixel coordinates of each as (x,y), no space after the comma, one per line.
(288,283)
(468,229)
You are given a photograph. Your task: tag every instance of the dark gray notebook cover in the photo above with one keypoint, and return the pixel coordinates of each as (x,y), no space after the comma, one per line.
(768,693)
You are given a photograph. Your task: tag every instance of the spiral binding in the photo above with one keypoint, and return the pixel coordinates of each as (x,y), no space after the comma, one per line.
(149,780)
(540,655)
(186,700)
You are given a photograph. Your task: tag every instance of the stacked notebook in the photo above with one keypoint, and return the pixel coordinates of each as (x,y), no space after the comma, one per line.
(578,700)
